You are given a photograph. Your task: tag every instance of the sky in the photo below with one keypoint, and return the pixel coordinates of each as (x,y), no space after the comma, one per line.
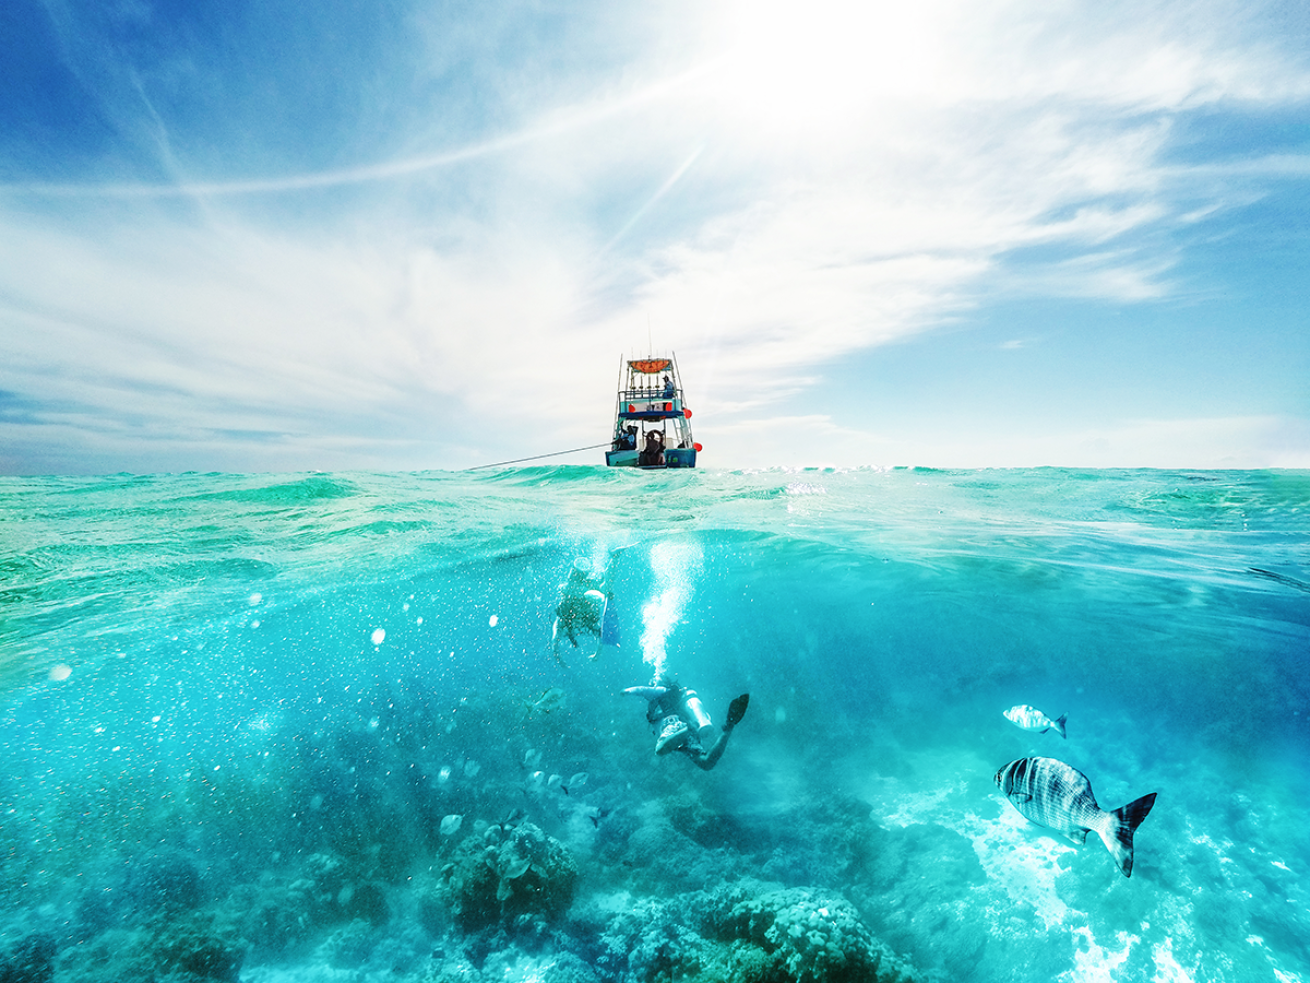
(271,236)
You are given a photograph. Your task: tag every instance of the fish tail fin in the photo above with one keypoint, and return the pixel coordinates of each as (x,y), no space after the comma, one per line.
(1059,724)
(1118,834)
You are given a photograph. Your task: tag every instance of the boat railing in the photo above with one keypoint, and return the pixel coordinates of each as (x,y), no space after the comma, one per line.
(659,407)
(649,395)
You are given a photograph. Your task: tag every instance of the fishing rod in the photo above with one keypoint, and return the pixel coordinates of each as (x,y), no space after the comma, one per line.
(537,457)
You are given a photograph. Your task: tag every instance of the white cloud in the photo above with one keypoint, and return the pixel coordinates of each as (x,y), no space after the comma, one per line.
(820,441)
(810,182)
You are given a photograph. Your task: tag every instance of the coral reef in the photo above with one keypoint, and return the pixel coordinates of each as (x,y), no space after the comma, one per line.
(811,937)
(750,932)
(648,942)
(285,910)
(509,876)
(349,945)
(195,947)
(561,967)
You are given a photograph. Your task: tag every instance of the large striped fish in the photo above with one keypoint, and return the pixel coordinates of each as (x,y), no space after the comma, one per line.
(1050,793)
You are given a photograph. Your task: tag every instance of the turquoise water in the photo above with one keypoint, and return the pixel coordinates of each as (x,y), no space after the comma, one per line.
(270,728)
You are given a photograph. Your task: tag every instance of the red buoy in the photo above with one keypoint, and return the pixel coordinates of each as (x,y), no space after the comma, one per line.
(687,413)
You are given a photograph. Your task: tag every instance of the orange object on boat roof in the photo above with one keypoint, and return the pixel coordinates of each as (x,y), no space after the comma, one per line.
(650,366)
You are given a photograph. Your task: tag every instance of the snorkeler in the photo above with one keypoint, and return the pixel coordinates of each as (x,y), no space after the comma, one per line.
(581,608)
(680,723)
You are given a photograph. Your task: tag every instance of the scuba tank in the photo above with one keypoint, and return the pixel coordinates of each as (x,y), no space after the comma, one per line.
(695,713)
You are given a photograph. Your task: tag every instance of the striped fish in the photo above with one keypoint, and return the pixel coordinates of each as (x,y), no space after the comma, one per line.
(1052,794)
(1030,718)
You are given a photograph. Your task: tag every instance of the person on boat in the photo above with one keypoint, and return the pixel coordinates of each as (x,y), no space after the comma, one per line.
(626,439)
(581,607)
(681,724)
(654,451)
(669,389)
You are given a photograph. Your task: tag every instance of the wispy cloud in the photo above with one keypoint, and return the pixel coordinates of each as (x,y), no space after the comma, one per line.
(770,188)
(1203,443)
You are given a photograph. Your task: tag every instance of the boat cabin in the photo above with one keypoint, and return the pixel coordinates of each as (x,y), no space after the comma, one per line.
(652,426)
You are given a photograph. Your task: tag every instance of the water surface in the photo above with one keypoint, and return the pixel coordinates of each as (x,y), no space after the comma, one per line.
(237,712)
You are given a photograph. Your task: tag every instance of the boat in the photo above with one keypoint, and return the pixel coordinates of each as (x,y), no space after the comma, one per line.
(652,424)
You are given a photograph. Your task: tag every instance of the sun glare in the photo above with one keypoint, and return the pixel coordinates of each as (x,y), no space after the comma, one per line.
(822,63)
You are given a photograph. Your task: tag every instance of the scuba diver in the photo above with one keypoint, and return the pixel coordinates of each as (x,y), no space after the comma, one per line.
(581,608)
(680,723)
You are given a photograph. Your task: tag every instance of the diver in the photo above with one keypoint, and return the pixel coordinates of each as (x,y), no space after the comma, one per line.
(581,608)
(680,723)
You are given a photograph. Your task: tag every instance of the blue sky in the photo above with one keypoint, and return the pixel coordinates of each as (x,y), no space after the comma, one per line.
(276,236)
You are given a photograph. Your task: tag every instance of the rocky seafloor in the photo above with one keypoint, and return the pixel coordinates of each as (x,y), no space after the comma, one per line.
(634,870)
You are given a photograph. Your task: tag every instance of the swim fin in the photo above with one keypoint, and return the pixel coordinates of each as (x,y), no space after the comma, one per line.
(737,710)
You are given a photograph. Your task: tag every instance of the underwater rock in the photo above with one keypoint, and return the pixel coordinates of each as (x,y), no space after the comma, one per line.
(349,946)
(163,879)
(287,910)
(32,960)
(527,874)
(828,840)
(702,825)
(658,858)
(276,916)
(196,947)
(910,884)
(199,946)
(896,856)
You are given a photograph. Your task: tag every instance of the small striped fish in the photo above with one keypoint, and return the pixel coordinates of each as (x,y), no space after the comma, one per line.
(1052,794)
(1030,718)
